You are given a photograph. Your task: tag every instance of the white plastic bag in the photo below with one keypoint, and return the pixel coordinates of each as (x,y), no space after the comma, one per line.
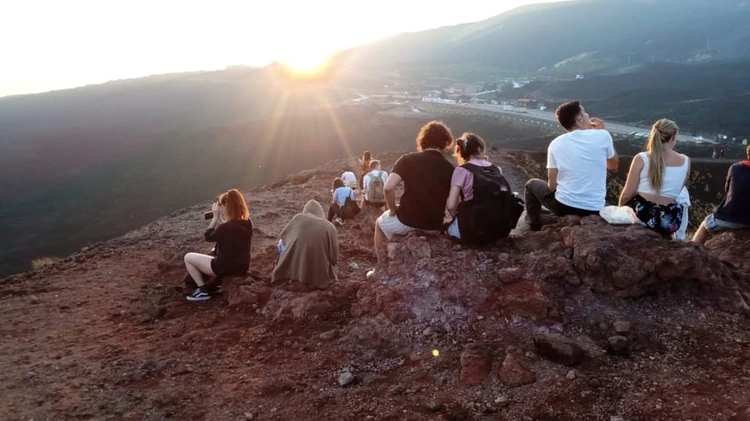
(619,215)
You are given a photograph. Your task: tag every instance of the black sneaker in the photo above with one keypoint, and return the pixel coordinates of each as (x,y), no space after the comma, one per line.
(199,294)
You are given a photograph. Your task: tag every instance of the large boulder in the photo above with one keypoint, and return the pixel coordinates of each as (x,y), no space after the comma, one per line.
(430,279)
(631,261)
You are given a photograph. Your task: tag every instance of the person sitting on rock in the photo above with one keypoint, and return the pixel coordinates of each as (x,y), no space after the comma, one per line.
(310,249)
(656,179)
(349,179)
(734,210)
(232,240)
(364,165)
(426,175)
(374,183)
(487,218)
(577,164)
(343,205)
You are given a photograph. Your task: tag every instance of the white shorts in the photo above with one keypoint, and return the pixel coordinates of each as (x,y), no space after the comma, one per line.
(392,226)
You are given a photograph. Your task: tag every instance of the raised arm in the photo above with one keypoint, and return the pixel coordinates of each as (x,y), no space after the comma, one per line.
(613,160)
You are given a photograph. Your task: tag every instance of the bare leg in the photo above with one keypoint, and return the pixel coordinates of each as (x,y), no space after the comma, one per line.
(380,240)
(198,264)
(701,235)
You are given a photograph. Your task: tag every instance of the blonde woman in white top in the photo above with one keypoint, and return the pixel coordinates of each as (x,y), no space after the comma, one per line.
(656,179)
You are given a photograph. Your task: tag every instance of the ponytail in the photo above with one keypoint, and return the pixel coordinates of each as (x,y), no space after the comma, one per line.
(663,131)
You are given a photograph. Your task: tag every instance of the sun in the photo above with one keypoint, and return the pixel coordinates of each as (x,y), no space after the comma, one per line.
(306,63)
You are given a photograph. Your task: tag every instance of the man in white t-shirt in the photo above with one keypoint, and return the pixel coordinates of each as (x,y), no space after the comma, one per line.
(374,193)
(577,164)
(349,179)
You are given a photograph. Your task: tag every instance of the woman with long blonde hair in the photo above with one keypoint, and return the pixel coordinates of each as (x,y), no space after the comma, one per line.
(656,178)
(232,239)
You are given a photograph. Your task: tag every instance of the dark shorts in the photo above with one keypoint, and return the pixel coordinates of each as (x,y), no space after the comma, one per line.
(228,269)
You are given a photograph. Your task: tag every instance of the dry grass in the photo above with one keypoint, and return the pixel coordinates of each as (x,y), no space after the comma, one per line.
(40,262)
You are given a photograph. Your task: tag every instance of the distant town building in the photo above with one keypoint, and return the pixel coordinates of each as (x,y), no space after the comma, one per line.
(527,103)
(439,100)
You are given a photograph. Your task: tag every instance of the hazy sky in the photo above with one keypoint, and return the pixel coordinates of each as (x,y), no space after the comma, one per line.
(55,44)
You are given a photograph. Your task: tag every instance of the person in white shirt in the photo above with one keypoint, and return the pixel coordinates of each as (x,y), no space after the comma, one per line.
(577,164)
(656,180)
(374,194)
(349,179)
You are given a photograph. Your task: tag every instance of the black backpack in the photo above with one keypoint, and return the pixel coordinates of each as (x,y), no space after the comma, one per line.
(350,209)
(493,211)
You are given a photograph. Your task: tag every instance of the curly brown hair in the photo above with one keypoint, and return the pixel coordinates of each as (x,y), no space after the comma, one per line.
(434,135)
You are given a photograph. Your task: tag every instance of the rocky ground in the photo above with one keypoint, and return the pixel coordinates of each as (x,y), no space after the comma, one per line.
(582,321)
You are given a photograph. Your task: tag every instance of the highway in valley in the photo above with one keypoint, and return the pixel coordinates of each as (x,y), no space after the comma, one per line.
(532,116)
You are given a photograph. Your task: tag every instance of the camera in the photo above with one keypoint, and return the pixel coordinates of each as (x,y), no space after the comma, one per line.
(221,200)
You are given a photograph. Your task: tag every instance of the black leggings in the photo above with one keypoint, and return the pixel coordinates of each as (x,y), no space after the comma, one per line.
(333,211)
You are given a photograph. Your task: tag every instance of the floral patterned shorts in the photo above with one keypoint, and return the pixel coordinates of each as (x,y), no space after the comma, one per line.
(665,219)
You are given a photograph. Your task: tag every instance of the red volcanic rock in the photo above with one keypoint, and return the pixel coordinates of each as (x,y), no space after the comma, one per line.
(513,373)
(245,291)
(732,247)
(475,364)
(559,349)
(631,261)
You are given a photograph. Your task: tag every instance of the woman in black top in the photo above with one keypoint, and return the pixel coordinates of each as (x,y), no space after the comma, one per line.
(232,240)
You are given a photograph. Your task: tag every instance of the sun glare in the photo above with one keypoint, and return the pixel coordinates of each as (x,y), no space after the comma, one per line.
(306,63)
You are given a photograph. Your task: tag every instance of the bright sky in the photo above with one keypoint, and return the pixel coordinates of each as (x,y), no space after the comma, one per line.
(56,44)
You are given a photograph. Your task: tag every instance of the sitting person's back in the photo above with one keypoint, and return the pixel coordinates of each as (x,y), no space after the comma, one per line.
(374,185)
(734,210)
(426,175)
(480,200)
(655,180)
(577,164)
(349,179)
(343,205)
(310,249)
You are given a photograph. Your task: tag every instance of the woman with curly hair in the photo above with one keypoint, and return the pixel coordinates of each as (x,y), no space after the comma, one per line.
(232,240)
(426,175)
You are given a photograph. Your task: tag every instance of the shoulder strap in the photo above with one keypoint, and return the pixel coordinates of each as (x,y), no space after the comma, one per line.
(476,169)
